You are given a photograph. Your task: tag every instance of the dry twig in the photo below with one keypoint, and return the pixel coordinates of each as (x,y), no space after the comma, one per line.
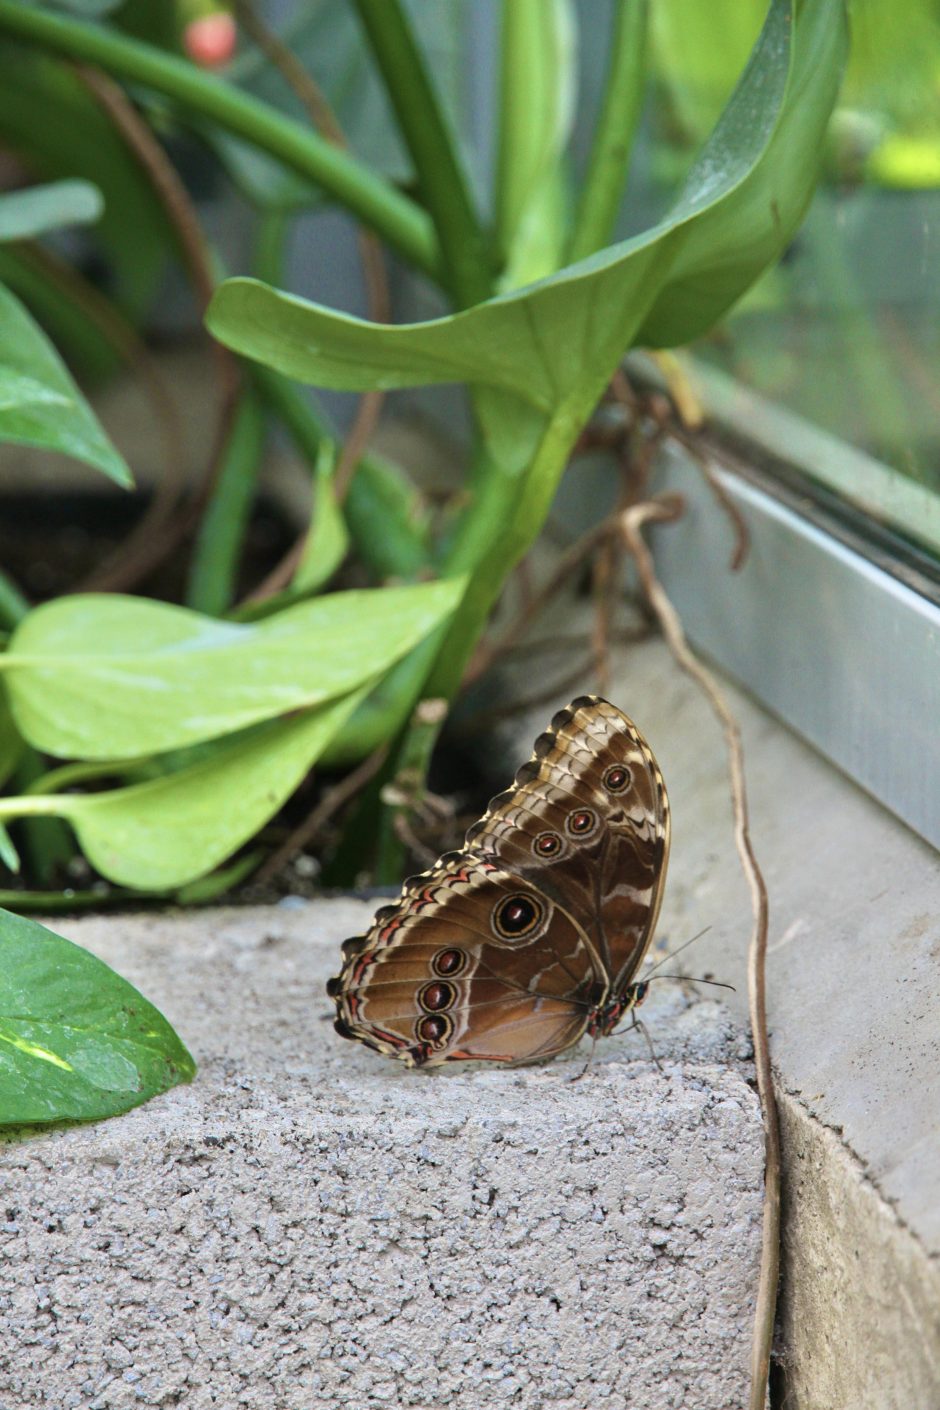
(154,537)
(330,803)
(568,563)
(662,510)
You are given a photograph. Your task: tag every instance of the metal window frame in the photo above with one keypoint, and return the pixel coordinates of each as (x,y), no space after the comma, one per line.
(833,623)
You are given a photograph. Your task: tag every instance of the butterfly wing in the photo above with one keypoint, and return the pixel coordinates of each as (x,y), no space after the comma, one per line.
(587,819)
(504,951)
(471,963)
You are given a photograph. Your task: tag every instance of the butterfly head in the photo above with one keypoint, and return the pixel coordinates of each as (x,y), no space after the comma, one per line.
(609,1015)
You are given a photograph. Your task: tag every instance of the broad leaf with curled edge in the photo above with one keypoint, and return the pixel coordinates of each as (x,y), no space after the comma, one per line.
(101,676)
(77,1042)
(548,349)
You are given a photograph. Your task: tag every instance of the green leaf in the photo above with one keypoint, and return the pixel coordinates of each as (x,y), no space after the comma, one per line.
(327,542)
(26,214)
(40,405)
(554,344)
(77,1042)
(165,833)
(110,677)
(9,856)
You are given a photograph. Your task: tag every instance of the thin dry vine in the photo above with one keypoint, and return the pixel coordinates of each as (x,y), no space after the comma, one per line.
(663,509)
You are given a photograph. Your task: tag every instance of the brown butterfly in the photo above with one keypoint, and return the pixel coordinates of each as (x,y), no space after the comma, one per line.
(513,948)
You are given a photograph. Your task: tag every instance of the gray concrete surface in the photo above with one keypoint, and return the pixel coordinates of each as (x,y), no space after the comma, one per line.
(859,1312)
(309,1226)
(855,1026)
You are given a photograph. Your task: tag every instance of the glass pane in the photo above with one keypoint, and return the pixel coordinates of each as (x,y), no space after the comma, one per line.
(845,332)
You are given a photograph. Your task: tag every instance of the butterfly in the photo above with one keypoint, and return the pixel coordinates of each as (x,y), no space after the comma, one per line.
(513,948)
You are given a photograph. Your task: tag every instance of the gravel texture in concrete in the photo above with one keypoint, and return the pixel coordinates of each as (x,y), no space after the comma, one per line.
(309,1225)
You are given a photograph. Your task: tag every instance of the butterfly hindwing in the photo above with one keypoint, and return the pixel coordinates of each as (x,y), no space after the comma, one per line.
(472,962)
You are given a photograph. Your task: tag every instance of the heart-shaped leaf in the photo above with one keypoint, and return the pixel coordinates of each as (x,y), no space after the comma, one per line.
(110,677)
(40,405)
(162,834)
(77,1042)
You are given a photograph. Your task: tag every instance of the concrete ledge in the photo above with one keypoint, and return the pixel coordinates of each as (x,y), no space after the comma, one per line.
(859,1313)
(310,1226)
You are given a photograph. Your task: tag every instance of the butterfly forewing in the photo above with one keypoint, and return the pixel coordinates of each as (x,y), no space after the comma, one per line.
(505,950)
(588,820)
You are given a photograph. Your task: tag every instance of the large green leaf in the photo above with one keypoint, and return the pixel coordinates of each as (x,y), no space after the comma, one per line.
(40,405)
(31,212)
(110,677)
(77,1042)
(555,342)
(165,833)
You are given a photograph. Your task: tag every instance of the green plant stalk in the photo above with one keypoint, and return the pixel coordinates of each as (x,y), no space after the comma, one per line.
(502,525)
(381,507)
(46,841)
(69,774)
(54,902)
(214,568)
(500,528)
(30,805)
(373,201)
(614,133)
(441,180)
(521,33)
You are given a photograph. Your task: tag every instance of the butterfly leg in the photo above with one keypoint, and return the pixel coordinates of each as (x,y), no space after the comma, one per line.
(638,1023)
(578,1075)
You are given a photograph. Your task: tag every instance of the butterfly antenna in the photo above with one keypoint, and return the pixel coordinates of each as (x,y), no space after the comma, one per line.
(678,951)
(691,979)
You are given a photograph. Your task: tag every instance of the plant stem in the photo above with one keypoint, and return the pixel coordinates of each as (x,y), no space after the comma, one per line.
(32,805)
(383,511)
(535,91)
(441,180)
(373,201)
(613,136)
(47,845)
(211,586)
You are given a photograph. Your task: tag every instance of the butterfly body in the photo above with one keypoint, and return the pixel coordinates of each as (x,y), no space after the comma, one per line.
(513,948)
